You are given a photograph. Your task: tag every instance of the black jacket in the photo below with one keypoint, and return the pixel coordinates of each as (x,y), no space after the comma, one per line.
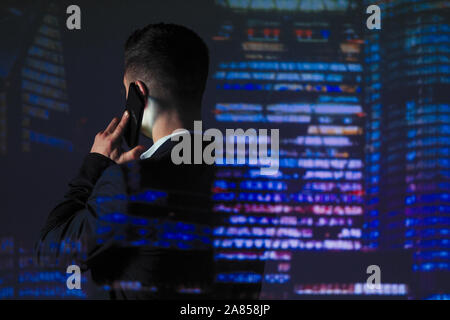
(143,229)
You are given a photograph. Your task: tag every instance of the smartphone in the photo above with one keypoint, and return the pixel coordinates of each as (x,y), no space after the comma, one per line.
(135,106)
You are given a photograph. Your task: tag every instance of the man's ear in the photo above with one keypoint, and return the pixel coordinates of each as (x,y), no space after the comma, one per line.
(142,88)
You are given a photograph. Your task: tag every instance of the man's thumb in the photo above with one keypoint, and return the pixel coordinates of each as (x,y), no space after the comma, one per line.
(137,151)
(133,154)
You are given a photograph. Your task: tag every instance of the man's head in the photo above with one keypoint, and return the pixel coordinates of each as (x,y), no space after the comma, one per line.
(172,62)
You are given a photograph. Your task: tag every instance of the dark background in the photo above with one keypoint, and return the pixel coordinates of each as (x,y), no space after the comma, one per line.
(33,181)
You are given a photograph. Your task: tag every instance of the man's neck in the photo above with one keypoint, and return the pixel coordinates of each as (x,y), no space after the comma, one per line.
(165,125)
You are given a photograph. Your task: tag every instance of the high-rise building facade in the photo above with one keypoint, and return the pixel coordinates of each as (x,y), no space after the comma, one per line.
(408,136)
(34,136)
(34,86)
(293,66)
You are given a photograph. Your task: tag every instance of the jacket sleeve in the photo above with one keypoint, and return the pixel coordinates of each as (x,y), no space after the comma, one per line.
(72,225)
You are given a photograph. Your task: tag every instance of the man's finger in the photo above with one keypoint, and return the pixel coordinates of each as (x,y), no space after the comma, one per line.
(121,126)
(133,154)
(112,125)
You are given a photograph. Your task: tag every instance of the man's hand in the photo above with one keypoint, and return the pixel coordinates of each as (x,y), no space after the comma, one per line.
(109,141)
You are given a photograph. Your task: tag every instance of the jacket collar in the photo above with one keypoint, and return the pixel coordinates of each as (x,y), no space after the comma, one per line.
(162,146)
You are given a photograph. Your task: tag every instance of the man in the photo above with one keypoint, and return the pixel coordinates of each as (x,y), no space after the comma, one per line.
(143,223)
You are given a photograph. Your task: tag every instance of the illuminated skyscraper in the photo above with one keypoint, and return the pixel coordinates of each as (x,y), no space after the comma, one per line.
(408,136)
(294,66)
(34,111)
(34,118)
(34,84)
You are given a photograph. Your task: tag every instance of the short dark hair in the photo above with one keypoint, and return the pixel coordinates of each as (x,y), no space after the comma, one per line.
(172,55)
